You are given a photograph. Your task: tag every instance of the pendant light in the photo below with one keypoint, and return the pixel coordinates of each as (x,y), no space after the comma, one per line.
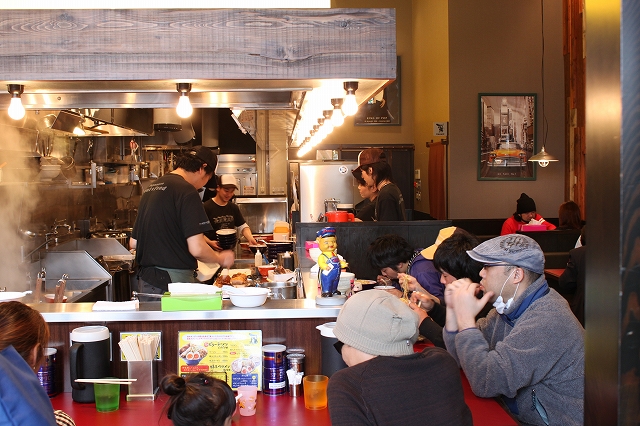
(543,158)
(350,105)
(184,108)
(337,118)
(16,110)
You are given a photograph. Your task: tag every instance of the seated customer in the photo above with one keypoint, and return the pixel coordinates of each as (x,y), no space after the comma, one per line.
(393,255)
(198,399)
(23,338)
(386,383)
(452,260)
(530,349)
(572,279)
(525,215)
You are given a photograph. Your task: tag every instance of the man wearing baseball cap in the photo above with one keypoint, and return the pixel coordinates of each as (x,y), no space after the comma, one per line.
(223,214)
(529,349)
(168,234)
(376,333)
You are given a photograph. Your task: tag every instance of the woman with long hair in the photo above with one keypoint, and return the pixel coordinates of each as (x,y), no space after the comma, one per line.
(23,338)
(376,172)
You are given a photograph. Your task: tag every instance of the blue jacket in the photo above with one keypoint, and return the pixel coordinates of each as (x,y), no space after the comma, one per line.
(23,401)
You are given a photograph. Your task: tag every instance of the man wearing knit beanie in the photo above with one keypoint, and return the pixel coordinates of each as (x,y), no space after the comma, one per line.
(525,215)
(376,332)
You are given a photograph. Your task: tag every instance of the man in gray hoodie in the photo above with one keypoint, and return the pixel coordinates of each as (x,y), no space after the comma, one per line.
(529,350)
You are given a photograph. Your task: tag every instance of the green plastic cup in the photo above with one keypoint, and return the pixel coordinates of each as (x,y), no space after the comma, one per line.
(107,396)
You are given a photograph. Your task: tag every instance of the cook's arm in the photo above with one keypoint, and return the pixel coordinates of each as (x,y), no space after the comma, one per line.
(199,249)
(133,243)
(249,235)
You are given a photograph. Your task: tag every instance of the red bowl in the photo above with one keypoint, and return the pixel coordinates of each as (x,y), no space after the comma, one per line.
(264,269)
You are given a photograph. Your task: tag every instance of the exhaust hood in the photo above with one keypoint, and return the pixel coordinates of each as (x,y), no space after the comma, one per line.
(86,122)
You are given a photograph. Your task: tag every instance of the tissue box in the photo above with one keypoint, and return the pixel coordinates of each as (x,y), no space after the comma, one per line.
(191,302)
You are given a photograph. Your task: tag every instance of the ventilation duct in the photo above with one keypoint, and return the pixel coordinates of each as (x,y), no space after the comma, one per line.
(166,120)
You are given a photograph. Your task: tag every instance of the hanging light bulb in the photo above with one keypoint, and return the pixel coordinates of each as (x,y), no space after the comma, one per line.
(16,110)
(542,158)
(350,105)
(184,108)
(328,124)
(337,119)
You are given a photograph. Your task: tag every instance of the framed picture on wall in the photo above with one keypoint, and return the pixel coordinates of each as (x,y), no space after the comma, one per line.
(507,136)
(383,109)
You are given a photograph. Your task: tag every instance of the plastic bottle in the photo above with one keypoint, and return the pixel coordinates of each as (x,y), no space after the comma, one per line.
(258,258)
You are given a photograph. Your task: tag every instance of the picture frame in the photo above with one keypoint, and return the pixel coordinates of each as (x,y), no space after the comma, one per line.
(383,109)
(507,136)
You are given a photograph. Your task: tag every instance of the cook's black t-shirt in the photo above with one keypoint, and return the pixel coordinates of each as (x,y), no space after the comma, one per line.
(170,211)
(222,217)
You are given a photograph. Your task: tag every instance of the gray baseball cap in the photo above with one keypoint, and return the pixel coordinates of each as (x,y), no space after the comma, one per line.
(511,249)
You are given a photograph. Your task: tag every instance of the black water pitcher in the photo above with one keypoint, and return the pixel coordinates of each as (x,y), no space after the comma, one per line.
(88,359)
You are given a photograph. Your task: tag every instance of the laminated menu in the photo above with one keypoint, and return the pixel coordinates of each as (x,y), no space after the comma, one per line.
(234,356)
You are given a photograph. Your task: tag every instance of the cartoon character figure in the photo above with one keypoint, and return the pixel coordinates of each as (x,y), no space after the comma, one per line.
(329,263)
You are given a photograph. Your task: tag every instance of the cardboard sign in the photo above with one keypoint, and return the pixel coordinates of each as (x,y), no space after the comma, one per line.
(233,356)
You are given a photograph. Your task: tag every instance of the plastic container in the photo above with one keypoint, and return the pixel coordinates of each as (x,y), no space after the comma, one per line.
(258,258)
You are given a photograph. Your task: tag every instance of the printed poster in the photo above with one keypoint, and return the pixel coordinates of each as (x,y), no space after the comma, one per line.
(234,356)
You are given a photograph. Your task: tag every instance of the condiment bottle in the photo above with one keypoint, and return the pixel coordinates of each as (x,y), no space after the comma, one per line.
(258,258)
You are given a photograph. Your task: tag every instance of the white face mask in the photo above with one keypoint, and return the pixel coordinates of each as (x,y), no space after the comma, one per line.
(499,303)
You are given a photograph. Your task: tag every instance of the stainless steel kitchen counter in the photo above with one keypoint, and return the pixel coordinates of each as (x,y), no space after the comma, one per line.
(151,311)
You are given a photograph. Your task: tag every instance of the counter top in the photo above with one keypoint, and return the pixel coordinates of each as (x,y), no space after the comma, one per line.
(151,311)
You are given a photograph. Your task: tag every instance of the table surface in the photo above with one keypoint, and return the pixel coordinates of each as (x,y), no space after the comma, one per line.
(554,272)
(271,410)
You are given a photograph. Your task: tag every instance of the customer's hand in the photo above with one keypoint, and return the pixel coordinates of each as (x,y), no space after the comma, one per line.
(460,296)
(425,299)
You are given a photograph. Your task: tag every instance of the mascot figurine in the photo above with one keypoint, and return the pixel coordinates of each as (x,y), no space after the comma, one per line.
(329,263)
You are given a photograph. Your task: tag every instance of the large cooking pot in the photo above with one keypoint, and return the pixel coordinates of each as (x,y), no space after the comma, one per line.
(281,290)
(339,216)
(121,236)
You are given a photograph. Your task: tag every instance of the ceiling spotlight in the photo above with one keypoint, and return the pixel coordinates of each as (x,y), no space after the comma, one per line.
(337,119)
(16,110)
(184,108)
(350,105)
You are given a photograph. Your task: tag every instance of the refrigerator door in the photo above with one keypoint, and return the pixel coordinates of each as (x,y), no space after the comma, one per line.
(320,181)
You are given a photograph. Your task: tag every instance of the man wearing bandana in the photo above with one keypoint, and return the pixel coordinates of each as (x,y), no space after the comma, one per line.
(529,350)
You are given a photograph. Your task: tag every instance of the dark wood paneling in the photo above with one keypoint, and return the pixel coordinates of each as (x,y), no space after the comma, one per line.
(146,44)
(300,333)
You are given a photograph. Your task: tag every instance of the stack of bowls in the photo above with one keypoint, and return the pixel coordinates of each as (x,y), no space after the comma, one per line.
(275,247)
(227,238)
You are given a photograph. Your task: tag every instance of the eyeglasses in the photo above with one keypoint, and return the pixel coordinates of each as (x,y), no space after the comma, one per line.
(338,345)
